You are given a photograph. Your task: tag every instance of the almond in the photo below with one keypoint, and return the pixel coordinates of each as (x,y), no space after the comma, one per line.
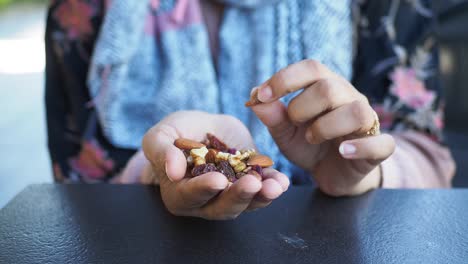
(260,160)
(211,156)
(253,100)
(187,144)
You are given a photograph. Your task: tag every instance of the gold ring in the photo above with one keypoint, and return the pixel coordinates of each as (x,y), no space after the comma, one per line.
(375,129)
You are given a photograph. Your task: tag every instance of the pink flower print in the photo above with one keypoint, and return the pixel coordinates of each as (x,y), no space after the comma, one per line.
(409,89)
(386,118)
(91,162)
(74,16)
(155,4)
(439,119)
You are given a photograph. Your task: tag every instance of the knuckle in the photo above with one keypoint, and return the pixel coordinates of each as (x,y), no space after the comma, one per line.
(317,131)
(362,113)
(363,98)
(280,79)
(332,189)
(294,111)
(312,65)
(325,90)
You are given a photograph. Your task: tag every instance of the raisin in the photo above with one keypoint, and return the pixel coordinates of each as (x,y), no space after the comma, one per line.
(226,169)
(232,151)
(202,169)
(256,174)
(258,169)
(216,143)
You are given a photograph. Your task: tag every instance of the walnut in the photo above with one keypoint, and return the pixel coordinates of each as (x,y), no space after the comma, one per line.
(240,167)
(220,156)
(198,155)
(245,154)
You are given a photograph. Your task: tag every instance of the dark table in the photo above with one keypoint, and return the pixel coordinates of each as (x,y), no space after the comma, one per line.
(129,224)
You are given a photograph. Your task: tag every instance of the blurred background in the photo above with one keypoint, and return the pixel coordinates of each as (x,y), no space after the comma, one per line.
(23,146)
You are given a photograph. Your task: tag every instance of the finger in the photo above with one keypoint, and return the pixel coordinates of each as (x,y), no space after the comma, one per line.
(86,167)
(323,96)
(355,118)
(375,149)
(98,156)
(271,190)
(292,78)
(274,116)
(282,179)
(88,161)
(197,191)
(159,149)
(234,200)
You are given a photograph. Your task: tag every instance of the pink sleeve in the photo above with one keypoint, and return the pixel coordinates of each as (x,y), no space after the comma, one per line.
(418,162)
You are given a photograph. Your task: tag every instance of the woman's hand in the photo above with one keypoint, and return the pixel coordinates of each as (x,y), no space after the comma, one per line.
(323,128)
(210,195)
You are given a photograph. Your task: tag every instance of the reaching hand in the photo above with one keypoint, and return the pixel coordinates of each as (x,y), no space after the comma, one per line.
(323,129)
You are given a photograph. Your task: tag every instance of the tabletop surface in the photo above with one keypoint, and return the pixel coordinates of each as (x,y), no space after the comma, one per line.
(129,224)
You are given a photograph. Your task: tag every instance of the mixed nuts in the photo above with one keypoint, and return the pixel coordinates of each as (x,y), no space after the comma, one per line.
(214,155)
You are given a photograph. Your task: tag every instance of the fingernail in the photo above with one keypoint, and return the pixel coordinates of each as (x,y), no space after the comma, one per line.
(347,149)
(165,169)
(253,90)
(265,94)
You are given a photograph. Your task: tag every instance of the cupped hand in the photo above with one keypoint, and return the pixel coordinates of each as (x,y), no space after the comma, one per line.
(210,195)
(323,129)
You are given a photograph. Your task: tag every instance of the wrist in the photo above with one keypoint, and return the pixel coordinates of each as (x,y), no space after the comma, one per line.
(148,176)
(133,171)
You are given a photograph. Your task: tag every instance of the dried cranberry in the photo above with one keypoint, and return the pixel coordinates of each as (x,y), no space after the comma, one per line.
(232,151)
(258,169)
(216,143)
(202,169)
(226,169)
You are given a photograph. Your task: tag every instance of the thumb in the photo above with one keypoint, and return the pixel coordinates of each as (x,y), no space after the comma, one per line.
(167,160)
(274,115)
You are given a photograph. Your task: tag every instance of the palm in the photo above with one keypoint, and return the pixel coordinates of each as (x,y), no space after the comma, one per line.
(299,151)
(209,195)
(195,126)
